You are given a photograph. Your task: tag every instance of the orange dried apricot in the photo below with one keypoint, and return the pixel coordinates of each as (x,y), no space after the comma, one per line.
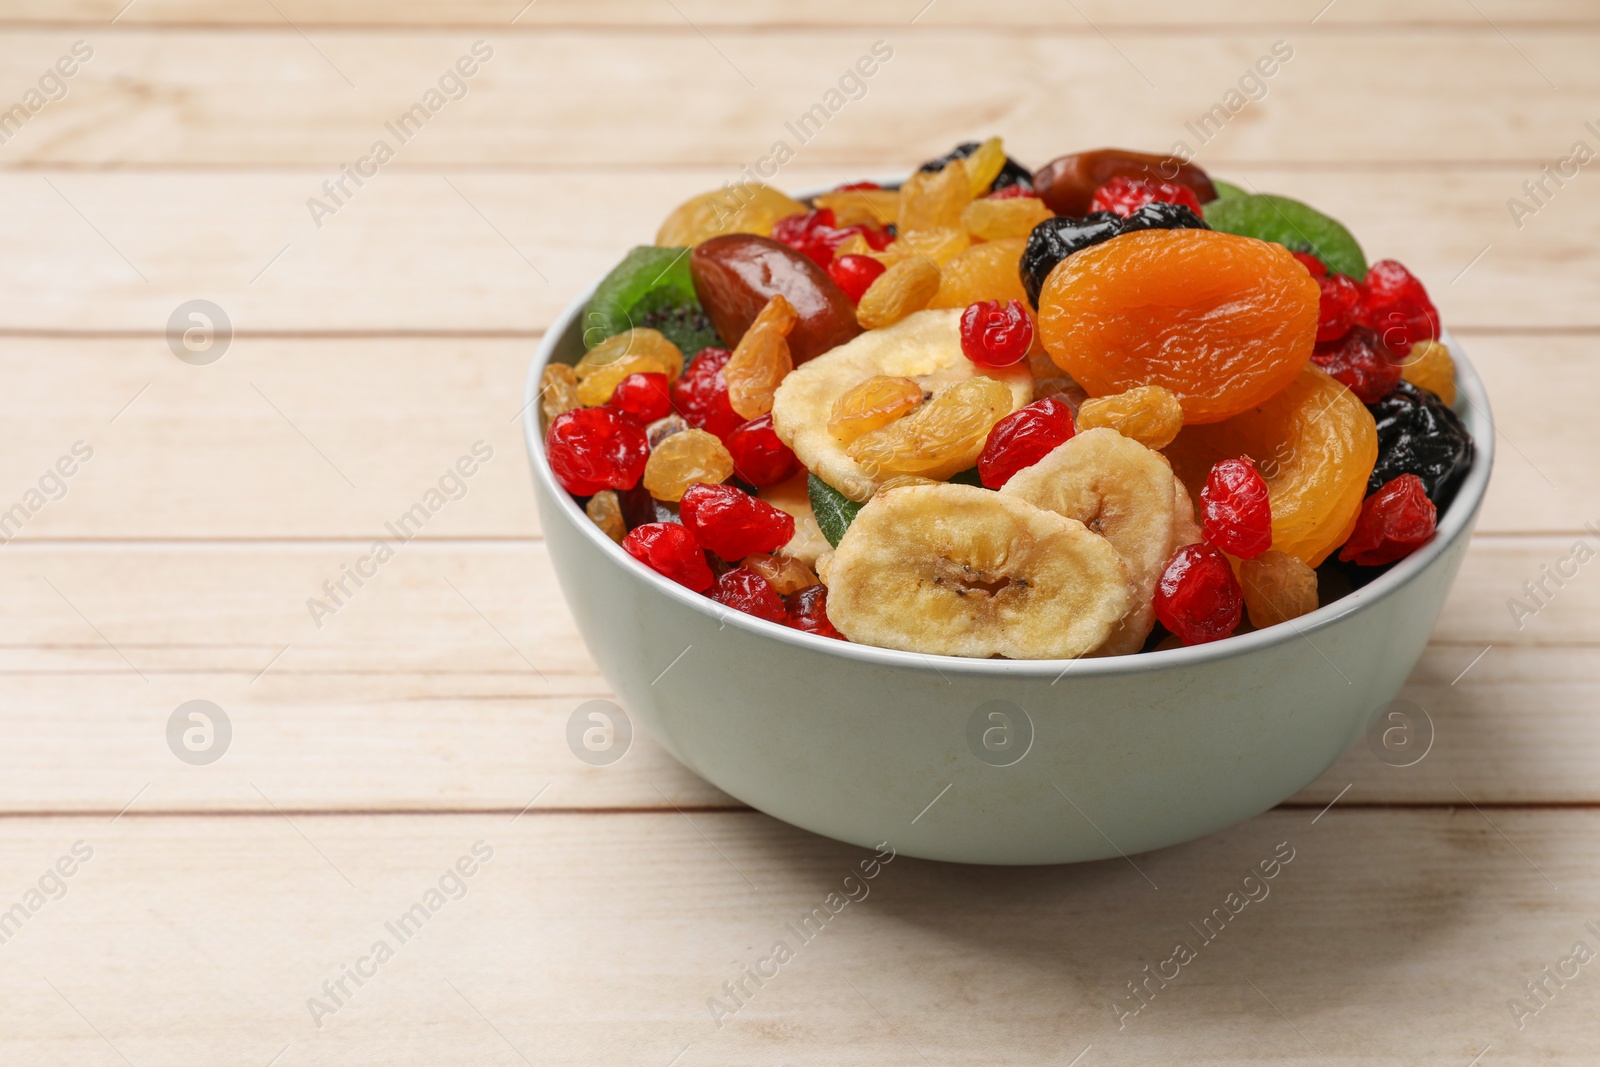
(1314,443)
(985,271)
(1223,321)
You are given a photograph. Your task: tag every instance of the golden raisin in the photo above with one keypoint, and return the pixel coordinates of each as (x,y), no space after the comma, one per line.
(558,390)
(683,459)
(761,359)
(940,438)
(901,481)
(992,220)
(1277,587)
(985,164)
(899,291)
(861,207)
(985,271)
(934,198)
(637,351)
(876,402)
(605,509)
(1430,367)
(1148,414)
(748,207)
(940,244)
(784,573)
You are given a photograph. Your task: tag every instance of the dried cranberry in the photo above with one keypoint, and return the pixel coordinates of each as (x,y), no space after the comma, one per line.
(1022,439)
(1362,362)
(592,449)
(1395,521)
(855,274)
(1012,192)
(995,334)
(644,396)
(758,456)
(808,611)
(1235,514)
(742,589)
(1311,263)
(1198,598)
(701,393)
(1124,196)
(1395,304)
(815,234)
(732,523)
(1336,312)
(669,549)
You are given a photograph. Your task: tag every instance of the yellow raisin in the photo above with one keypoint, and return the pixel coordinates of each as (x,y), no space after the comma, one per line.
(861,207)
(637,351)
(856,245)
(683,459)
(1277,587)
(876,402)
(784,573)
(985,164)
(901,481)
(605,509)
(940,438)
(904,288)
(994,220)
(934,198)
(1430,367)
(940,244)
(761,359)
(986,271)
(558,390)
(748,207)
(1148,414)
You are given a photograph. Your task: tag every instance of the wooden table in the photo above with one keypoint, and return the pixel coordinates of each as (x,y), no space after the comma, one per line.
(376,747)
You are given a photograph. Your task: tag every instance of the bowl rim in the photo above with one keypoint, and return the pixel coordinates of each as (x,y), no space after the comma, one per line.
(1456,522)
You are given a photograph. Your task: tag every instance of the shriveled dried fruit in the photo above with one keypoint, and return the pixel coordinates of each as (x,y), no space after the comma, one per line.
(683,459)
(636,351)
(793,496)
(742,589)
(1148,414)
(996,334)
(735,276)
(990,219)
(1198,598)
(876,402)
(664,428)
(938,244)
(748,207)
(904,288)
(1235,513)
(808,612)
(759,457)
(644,396)
(670,550)
(1067,183)
(855,274)
(1277,588)
(1223,322)
(985,271)
(943,436)
(701,393)
(815,235)
(1395,521)
(1419,434)
(1124,195)
(784,573)
(1012,175)
(605,511)
(861,207)
(985,164)
(591,449)
(558,390)
(1360,361)
(730,522)
(1395,303)
(761,359)
(1022,439)
(934,198)
(1430,367)
(1336,312)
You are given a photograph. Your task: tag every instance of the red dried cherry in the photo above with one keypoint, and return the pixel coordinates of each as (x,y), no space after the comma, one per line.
(1336,311)
(855,274)
(732,523)
(1395,521)
(808,611)
(1311,263)
(591,449)
(995,334)
(644,396)
(1124,196)
(1395,304)
(1022,439)
(742,589)
(1198,598)
(1012,192)
(1235,514)
(669,549)
(759,457)
(701,393)
(1362,362)
(815,234)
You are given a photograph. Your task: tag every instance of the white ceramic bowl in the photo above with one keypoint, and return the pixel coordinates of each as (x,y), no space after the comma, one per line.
(1101,756)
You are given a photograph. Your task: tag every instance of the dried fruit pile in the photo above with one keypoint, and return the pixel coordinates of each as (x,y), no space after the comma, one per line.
(1100,408)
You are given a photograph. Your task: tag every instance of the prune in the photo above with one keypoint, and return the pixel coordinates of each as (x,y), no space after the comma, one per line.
(1067,184)
(1418,434)
(1011,172)
(737,274)
(1055,239)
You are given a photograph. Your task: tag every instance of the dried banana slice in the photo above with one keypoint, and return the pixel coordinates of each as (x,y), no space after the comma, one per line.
(1126,493)
(925,347)
(956,570)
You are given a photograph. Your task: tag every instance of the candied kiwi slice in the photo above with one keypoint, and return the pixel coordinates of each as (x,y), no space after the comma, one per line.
(651,287)
(1297,226)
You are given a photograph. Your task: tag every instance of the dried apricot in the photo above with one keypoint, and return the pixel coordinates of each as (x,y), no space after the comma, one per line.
(761,359)
(1430,367)
(899,291)
(992,220)
(1314,443)
(748,207)
(940,438)
(1277,588)
(683,459)
(1224,322)
(637,351)
(934,198)
(985,271)
(1148,414)
(876,402)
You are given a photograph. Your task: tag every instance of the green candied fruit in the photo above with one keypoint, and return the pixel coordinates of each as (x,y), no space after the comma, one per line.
(1227,189)
(1298,227)
(650,287)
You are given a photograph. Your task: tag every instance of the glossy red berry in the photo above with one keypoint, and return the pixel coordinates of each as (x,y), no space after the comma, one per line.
(701,393)
(1197,597)
(1124,196)
(1311,263)
(1022,439)
(732,523)
(1362,362)
(1012,192)
(855,274)
(995,334)
(808,611)
(1336,311)
(669,549)
(1395,521)
(1235,514)
(591,449)
(815,235)
(644,396)
(1395,304)
(742,589)
(758,456)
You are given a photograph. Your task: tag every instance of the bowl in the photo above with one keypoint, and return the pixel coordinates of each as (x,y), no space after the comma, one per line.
(996,761)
